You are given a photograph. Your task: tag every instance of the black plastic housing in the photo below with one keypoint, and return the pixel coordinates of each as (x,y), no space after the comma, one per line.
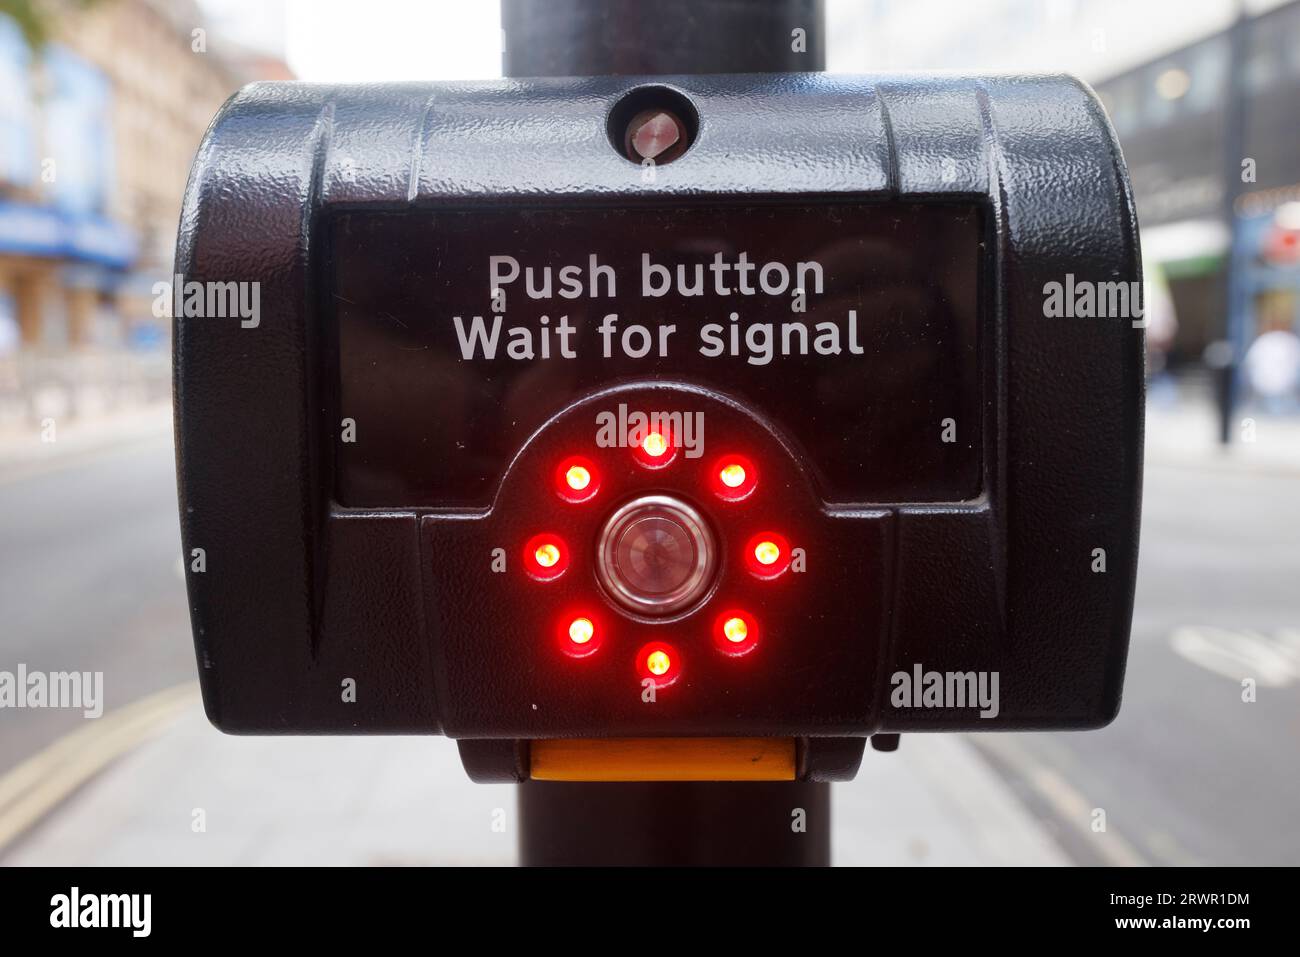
(300,593)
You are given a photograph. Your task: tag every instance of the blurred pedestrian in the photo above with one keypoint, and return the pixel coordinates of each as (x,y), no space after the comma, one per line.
(1272,369)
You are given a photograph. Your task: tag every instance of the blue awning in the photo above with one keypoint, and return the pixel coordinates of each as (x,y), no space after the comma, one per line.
(44,231)
(30,230)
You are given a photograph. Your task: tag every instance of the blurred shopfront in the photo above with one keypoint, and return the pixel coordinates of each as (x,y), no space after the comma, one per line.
(97,131)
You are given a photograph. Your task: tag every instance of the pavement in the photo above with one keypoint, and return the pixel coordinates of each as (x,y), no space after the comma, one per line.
(190,796)
(1188,774)
(1186,436)
(34,450)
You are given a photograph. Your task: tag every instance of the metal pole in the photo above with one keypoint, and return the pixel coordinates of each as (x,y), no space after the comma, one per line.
(1236,106)
(668,823)
(675,824)
(635,37)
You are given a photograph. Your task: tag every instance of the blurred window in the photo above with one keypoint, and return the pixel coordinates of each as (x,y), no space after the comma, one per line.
(1166,84)
(1122,102)
(1209,73)
(18,165)
(78,132)
(1264,62)
(1289,30)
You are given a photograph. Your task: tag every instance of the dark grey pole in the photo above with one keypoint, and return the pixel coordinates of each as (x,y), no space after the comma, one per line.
(676,823)
(662,37)
(1236,107)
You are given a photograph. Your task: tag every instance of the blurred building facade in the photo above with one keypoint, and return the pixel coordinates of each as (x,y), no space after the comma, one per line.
(97,131)
(1198,144)
(1164,70)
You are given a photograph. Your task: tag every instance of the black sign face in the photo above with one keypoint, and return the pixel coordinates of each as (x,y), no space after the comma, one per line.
(852,328)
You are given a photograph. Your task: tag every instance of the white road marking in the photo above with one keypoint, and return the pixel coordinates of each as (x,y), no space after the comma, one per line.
(1272,662)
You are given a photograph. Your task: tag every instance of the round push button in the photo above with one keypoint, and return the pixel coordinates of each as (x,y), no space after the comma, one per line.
(656,555)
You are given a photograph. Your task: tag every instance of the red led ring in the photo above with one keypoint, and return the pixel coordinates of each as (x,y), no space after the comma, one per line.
(577,479)
(655,450)
(580,634)
(733,478)
(546,556)
(767,554)
(659,661)
(735,633)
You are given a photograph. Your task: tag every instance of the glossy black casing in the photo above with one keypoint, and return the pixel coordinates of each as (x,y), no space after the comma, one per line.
(300,593)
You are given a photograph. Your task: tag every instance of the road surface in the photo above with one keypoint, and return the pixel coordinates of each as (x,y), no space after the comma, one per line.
(90,581)
(1189,773)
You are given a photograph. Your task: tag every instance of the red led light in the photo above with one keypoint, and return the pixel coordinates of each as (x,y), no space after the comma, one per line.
(580,633)
(735,633)
(733,478)
(546,556)
(656,449)
(660,661)
(767,554)
(577,479)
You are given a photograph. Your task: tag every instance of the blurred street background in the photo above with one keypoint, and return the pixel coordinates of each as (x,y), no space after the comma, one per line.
(102,105)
